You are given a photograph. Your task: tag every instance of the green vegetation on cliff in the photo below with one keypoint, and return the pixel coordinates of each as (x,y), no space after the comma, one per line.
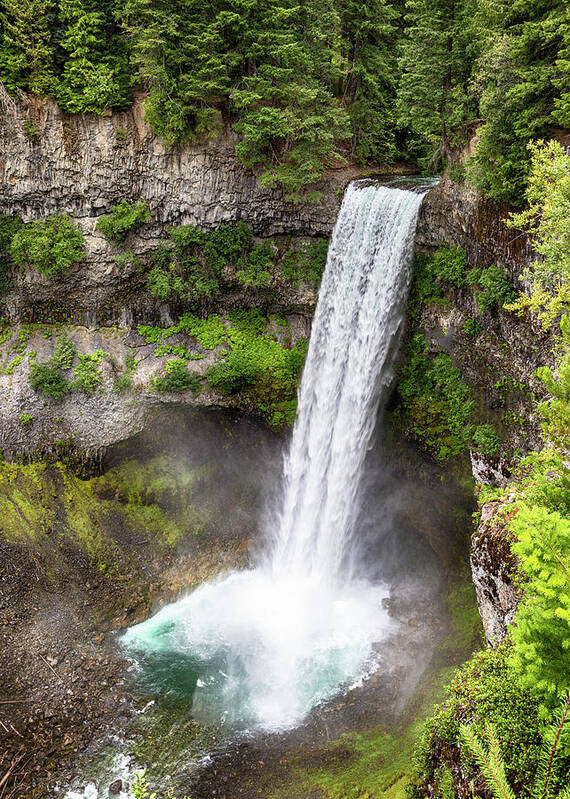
(502,714)
(435,406)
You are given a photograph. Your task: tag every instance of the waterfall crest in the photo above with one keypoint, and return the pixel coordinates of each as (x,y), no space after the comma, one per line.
(262,647)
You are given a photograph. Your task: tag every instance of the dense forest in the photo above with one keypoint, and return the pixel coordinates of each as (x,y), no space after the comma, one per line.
(306,84)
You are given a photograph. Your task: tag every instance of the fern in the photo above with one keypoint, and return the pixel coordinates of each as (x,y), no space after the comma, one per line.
(492,764)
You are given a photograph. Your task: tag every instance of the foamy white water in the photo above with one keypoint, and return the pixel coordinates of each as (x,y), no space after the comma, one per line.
(263,647)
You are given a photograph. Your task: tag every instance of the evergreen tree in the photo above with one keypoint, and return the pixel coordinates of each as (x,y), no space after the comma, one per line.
(96,71)
(26,50)
(368,83)
(435,66)
(522,91)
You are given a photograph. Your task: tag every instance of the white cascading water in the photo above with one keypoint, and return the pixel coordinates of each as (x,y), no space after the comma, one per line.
(264,646)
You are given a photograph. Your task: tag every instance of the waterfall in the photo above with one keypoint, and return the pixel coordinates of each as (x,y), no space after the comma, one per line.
(358,317)
(264,646)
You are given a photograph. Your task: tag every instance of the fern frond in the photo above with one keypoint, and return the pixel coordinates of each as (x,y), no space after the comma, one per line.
(491,763)
(547,755)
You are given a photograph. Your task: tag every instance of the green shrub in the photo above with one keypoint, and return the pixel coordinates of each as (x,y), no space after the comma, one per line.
(87,376)
(124,381)
(26,418)
(485,440)
(30,130)
(261,367)
(472,327)
(9,226)
(306,262)
(46,379)
(122,219)
(64,352)
(209,333)
(255,268)
(437,405)
(226,245)
(50,246)
(450,265)
(490,287)
(457,172)
(486,690)
(177,378)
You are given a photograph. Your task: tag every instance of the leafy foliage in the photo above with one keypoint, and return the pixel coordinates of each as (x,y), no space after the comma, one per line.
(46,379)
(491,287)
(491,761)
(306,262)
(9,225)
(64,352)
(438,405)
(546,219)
(123,218)
(51,245)
(542,632)
(449,264)
(177,378)
(486,690)
(87,374)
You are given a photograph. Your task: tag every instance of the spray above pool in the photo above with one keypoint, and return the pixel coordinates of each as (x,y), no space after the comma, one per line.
(261,648)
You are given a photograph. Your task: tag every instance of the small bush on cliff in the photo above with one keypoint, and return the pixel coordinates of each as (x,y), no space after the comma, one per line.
(9,226)
(255,267)
(306,262)
(123,218)
(64,352)
(190,268)
(485,440)
(46,379)
(177,378)
(51,245)
(87,374)
(450,265)
(490,287)
(436,402)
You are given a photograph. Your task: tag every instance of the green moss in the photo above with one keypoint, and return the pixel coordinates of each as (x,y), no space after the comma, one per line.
(45,504)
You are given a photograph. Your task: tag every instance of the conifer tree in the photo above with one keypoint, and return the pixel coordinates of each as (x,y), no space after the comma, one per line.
(26,49)
(95,73)
(435,65)
(369,76)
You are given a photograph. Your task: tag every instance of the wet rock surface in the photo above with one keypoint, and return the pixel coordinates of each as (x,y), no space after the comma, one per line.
(494,570)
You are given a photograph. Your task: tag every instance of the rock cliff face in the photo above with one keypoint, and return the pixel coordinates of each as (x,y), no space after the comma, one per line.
(455,214)
(82,165)
(493,568)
